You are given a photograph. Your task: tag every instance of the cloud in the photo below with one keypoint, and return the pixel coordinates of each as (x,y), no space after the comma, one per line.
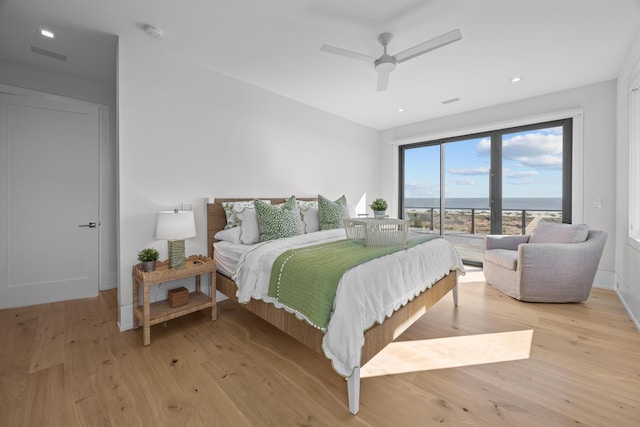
(483,148)
(470,171)
(543,162)
(520,174)
(534,149)
(521,147)
(465,181)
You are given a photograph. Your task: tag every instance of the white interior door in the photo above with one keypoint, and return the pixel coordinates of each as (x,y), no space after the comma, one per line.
(49,195)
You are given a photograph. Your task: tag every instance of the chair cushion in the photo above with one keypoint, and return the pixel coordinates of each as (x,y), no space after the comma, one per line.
(502,257)
(548,232)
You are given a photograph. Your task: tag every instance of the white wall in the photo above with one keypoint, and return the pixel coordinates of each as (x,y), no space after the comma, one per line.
(186,133)
(98,93)
(627,257)
(598,180)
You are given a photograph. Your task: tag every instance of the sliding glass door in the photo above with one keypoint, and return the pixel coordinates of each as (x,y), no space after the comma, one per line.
(499,182)
(532,174)
(445,191)
(466,211)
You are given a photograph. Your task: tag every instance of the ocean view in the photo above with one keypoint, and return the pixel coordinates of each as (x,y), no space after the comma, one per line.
(529,204)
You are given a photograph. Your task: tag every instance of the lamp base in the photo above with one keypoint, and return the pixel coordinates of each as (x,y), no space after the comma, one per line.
(176,254)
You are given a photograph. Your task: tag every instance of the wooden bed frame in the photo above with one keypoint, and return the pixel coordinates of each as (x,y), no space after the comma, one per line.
(376,338)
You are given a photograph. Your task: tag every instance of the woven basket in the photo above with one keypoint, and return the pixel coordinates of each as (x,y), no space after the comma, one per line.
(178,296)
(378,233)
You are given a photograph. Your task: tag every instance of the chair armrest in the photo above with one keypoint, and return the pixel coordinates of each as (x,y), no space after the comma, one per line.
(494,241)
(578,261)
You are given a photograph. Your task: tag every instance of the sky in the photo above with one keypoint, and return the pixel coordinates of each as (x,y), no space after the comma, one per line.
(531,167)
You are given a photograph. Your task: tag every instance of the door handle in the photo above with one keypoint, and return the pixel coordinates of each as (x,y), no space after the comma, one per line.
(90,225)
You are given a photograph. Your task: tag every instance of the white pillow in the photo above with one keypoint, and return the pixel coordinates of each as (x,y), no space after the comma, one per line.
(249,231)
(241,215)
(231,235)
(309,214)
(231,210)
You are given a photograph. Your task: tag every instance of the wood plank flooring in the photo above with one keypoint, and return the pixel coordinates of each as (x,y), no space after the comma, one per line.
(66,364)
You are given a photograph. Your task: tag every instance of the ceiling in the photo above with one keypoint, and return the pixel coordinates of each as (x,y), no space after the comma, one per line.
(553,45)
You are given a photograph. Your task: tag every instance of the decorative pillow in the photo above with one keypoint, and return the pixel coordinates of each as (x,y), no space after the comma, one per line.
(330,213)
(231,210)
(548,232)
(231,235)
(249,232)
(277,222)
(309,215)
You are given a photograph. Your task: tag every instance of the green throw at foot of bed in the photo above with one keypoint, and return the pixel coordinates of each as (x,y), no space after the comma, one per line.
(306,279)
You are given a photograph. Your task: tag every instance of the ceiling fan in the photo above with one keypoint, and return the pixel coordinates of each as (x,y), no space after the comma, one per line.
(387,63)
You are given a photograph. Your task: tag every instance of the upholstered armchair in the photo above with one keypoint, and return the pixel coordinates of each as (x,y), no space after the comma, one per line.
(556,263)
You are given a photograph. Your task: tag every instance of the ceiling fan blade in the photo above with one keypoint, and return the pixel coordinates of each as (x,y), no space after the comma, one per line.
(383,80)
(347,53)
(429,45)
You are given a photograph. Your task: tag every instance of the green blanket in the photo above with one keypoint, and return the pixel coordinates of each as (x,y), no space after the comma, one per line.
(306,279)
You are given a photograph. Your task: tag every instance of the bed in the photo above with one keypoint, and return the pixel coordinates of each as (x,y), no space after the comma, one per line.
(375,338)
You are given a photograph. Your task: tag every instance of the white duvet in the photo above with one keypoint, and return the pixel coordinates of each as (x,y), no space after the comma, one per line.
(366,294)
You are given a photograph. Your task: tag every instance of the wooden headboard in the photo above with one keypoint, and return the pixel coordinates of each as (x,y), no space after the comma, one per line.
(216,219)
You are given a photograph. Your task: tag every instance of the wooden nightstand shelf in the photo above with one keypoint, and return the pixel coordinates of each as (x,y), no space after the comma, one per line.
(149,313)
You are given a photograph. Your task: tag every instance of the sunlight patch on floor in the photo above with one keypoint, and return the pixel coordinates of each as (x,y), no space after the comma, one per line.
(473,274)
(440,353)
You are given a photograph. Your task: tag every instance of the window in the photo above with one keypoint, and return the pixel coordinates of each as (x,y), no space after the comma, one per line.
(501,181)
(634,157)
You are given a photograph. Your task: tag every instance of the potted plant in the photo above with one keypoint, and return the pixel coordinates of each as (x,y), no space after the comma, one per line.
(379,207)
(148,258)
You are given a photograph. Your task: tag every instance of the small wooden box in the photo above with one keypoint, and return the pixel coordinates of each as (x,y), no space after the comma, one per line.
(178,296)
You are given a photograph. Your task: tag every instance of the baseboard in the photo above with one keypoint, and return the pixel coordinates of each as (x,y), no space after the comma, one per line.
(629,301)
(126,317)
(109,280)
(605,280)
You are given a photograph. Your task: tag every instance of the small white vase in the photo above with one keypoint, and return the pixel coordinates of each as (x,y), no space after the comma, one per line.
(379,214)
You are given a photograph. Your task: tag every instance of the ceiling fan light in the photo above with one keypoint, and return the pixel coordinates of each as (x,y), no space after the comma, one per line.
(385,67)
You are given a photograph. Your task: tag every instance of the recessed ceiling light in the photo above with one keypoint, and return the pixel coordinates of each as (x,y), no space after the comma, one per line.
(449,101)
(400,110)
(47,33)
(516,79)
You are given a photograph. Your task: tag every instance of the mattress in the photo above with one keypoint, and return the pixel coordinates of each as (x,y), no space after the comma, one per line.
(227,255)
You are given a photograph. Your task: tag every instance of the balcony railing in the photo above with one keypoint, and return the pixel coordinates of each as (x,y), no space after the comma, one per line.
(458,220)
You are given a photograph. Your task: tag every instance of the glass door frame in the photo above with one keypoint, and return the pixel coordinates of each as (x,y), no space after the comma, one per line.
(440,143)
(495,172)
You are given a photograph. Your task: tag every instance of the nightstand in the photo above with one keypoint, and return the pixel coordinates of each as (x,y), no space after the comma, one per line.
(149,313)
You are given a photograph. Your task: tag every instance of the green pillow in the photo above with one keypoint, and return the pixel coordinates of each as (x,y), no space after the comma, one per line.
(331,213)
(277,222)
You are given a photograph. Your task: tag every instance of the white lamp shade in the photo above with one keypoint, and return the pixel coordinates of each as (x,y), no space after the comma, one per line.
(175,225)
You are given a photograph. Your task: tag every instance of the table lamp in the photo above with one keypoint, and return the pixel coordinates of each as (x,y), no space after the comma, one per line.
(175,226)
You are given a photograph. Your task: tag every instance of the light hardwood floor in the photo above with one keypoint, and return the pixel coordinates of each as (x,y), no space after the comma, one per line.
(66,364)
